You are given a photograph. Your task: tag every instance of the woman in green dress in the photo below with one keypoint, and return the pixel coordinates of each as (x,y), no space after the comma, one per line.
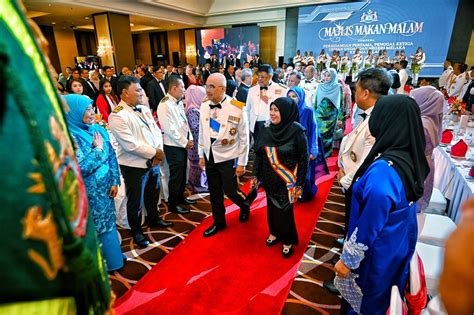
(327,109)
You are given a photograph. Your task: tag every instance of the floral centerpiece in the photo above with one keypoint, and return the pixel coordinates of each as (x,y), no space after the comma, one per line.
(456,106)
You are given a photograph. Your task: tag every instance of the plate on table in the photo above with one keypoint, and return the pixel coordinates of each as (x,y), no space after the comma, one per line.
(458,157)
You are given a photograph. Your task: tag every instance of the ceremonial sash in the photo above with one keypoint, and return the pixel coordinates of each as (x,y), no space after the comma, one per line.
(214,124)
(285,174)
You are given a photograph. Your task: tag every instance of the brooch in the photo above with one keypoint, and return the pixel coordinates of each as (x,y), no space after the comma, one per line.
(353,156)
(233,131)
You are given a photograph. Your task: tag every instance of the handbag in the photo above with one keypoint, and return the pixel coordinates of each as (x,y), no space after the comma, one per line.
(416,294)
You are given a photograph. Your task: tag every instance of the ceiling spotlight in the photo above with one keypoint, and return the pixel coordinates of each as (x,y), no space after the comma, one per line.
(131,24)
(49,4)
(53,23)
(86,17)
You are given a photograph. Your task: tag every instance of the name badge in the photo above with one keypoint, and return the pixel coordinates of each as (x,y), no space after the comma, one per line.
(233,119)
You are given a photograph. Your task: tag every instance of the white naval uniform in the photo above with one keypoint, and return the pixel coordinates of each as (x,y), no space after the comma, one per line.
(310,89)
(137,134)
(356,59)
(443,79)
(256,108)
(232,140)
(173,122)
(457,85)
(368,61)
(354,149)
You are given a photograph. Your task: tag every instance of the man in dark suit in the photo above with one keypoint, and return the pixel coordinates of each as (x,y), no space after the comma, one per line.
(109,75)
(144,77)
(214,62)
(89,88)
(156,88)
(169,72)
(229,72)
(256,62)
(234,61)
(206,71)
(246,76)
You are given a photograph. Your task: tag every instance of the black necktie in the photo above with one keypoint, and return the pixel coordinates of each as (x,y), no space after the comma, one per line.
(215,106)
(363,115)
(264,88)
(136,109)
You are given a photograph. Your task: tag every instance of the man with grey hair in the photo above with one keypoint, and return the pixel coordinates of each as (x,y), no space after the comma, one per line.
(309,84)
(278,75)
(294,79)
(246,77)
(223,141)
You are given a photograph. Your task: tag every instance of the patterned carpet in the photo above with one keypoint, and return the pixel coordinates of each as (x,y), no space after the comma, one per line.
(307,296)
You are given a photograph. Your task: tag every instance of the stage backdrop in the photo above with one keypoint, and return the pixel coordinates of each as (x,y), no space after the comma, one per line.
(380,24)
(242,42)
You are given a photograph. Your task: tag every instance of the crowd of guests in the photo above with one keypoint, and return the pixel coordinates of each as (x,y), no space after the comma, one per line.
(178,126)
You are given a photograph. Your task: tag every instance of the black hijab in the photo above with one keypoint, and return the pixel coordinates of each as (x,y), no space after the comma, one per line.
(287,129)
(396,125)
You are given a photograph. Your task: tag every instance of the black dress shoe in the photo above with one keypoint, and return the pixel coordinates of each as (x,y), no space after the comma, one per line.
(270,242)
(287,252)
(160,223)
(179,210)
(212,230)
(187,201)
(329,285)
(252,195)
(244,215)
(141,240)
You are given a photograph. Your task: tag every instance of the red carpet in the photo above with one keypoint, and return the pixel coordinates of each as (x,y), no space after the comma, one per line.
(232,272)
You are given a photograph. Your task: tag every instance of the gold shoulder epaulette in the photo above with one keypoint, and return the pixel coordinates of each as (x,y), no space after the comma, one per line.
(117,108)
(164,99)
(237,103)
(204,100)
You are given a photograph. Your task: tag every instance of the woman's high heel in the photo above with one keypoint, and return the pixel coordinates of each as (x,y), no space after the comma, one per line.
(287,251)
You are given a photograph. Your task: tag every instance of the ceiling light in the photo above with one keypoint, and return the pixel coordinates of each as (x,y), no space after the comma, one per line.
(86,17)
(49,4)
(131,24)
(53,23)
(172,24)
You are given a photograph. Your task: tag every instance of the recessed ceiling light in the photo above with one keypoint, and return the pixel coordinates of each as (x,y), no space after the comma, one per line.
(131,24)
(49,4)
(86,17)
(53,23)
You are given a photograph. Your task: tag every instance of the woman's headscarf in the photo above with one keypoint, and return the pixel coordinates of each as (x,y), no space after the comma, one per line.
(78,105)
(287,129)
(431,102)
(330,90)
(301,97)
(194,96)
(396,126)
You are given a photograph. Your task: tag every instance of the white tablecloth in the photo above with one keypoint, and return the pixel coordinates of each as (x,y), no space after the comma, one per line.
(450,179)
